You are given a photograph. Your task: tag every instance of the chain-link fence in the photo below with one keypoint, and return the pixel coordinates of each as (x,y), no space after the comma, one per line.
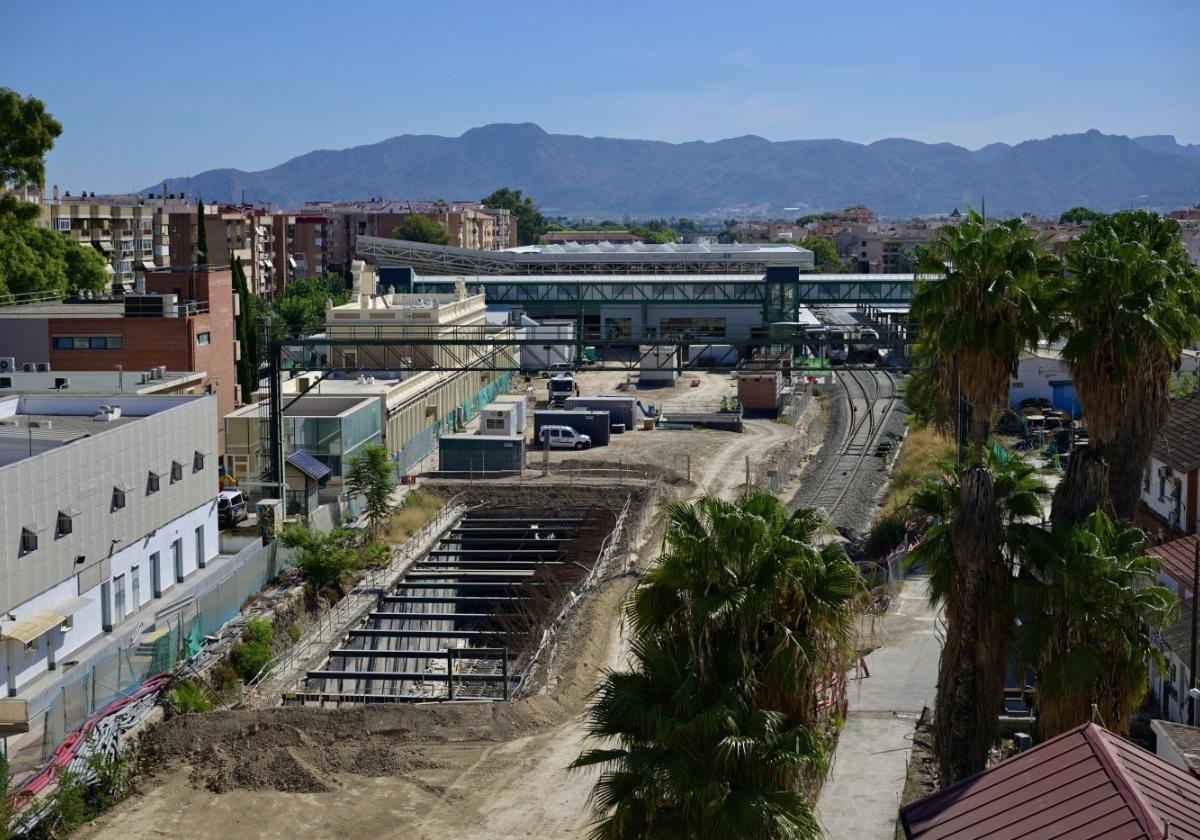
(178,634)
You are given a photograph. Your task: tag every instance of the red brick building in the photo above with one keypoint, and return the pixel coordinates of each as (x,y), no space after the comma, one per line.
(183,321)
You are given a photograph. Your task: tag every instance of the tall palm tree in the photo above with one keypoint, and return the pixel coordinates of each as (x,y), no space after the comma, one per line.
(1085,609)
(1128,305)
(737,629)
(975,321)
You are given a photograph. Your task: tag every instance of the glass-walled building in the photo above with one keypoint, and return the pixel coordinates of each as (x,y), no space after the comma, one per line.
(330,429)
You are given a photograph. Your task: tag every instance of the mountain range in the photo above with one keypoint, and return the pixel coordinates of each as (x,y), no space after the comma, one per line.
(743,176)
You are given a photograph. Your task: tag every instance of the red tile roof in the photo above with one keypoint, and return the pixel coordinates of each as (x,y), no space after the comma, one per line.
(1179,558)
(1086,784)
(1178,442)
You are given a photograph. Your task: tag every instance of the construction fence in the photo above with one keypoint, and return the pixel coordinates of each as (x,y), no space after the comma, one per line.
(178,634)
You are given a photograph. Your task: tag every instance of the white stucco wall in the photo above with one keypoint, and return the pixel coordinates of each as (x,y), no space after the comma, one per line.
(1164,505)
(20,666)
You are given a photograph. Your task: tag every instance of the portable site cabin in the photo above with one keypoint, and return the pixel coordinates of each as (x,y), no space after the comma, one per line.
(659,365)
(620,409)
(522,404)
(468,455)
(500,419)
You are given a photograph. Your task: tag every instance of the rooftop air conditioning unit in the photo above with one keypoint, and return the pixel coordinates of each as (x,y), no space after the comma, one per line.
(7,364)
(62,383)
(162,371)
(43,367)
(29,367)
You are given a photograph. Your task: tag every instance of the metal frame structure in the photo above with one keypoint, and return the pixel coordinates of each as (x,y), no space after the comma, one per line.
(878,290)
(615,259)
(516,564)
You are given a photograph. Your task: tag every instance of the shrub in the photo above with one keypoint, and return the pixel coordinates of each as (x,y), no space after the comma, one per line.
(249,656)
(323,559)
(187,698)
(293,632)
(887,533)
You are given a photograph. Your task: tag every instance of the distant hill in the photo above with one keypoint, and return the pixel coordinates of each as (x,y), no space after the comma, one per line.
(600,176)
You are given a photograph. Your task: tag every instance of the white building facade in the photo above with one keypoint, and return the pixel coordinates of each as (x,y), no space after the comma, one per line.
(109,502)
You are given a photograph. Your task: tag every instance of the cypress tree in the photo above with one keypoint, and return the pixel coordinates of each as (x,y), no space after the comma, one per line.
(201,234)
(247,333)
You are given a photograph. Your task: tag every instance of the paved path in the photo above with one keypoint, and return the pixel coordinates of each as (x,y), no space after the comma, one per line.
(861,797)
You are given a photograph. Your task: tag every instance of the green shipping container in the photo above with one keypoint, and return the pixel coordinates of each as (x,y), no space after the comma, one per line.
(474,455)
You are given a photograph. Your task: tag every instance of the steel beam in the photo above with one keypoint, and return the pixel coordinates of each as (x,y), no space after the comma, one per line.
(401,676)
(377,632)
(459,654)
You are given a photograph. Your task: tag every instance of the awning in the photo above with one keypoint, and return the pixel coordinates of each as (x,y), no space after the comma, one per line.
(308,465)
(291,262)
(146,265)
(72,605)
(37,623)
(102,245)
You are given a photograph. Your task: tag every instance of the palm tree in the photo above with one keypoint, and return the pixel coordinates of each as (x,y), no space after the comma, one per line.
(1085,610)
(1128,305)
(737,629)
(975,322)
(746,570)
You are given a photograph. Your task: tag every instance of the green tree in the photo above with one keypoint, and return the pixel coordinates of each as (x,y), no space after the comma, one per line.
(201,234)
(1127,306)
(417,228)
(300,308)
(975,322)
(27,133)
(35,259)
(531,224)
(912,256)
(323,559)
(249,313)
(372,477)
(1079,216)
(1086,610)
(736,627)
(825,256)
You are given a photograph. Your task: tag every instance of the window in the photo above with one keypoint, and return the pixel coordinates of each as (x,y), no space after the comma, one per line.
(87,342)
(29,540)
(64,524)
(1146,481)
(176,471)
(203,338)
(62,224)
(151,483)
(118,499)
(198,462)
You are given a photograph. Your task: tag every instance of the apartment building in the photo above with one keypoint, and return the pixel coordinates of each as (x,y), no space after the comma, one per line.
(131,231)
(303,244)
(109,502)
(244,231)
(184,321)
(470,225)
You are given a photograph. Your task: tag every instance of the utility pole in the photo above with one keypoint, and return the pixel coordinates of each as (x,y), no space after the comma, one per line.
(1195,603)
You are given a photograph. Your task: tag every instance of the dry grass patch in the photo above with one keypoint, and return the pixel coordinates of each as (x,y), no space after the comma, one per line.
(919,456)
(419,507)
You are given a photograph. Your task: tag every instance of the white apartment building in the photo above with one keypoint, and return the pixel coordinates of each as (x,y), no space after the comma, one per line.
(108,502)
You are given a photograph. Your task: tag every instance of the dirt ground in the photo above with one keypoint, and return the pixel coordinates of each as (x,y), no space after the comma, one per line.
(437,770)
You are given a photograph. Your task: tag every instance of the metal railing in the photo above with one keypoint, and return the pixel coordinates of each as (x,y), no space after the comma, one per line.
(286,666)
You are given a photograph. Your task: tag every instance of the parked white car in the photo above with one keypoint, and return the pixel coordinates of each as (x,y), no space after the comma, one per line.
(563,437)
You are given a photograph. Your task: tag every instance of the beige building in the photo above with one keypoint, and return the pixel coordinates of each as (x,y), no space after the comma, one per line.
(131,231)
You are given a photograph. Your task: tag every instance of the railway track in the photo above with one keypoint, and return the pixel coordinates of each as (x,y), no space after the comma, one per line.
(871,395)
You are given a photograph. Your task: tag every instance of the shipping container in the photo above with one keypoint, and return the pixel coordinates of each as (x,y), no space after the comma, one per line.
(594,424)
(620,409)
(500,419)
(522,404)
(658,365)
(464,455)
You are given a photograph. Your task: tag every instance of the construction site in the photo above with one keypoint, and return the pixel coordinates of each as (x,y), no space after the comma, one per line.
(443,695)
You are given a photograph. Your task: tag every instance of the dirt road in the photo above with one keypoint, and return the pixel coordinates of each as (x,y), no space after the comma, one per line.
(437,771)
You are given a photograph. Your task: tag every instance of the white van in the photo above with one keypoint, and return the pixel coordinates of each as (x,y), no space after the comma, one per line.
(563,437)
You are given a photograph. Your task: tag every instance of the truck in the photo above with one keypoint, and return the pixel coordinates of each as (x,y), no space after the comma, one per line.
(559,389)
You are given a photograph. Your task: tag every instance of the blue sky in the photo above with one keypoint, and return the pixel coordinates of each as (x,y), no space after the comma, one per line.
(152,89)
